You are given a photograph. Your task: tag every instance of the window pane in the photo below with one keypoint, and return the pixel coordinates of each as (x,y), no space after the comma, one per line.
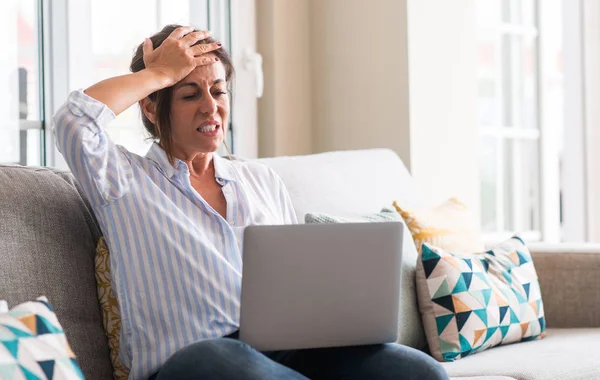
(519,82)
(174,12)
(29,60)
(487,13)
(488,168)
(112,50)
(489,85)
(19,79)
(528,12)
(521,185)
(518,12)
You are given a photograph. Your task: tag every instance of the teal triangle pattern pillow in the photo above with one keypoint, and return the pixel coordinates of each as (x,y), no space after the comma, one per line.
(472,302)
(33,344)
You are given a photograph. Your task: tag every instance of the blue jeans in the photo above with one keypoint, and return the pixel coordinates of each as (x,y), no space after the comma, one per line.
(229,358)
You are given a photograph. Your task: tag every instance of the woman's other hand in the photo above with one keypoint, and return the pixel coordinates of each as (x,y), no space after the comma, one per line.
(175,58)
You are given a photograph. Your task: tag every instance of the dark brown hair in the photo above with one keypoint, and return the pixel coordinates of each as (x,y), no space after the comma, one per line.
(162,98)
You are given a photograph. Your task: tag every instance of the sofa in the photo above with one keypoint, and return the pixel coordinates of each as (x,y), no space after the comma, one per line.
(48,236)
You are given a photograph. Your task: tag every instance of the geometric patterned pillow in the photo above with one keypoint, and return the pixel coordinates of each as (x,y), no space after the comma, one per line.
(33,344)
(471,302)
(450,225)
(111,315)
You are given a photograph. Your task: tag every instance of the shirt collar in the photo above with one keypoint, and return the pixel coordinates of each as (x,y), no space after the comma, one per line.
(223,169)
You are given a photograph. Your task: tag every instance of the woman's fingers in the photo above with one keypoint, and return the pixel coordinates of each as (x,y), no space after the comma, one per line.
(147,47)
(205,60)
(205,48)
(193,37)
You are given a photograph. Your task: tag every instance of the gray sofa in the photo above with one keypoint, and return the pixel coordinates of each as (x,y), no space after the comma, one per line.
(48,236)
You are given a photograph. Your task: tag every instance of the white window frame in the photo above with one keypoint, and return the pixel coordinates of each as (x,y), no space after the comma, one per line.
(548,160)
(26,155)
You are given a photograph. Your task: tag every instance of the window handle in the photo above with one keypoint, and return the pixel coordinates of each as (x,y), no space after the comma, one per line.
(253,61)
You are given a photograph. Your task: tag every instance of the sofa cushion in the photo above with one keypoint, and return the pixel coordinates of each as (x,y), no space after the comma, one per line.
(474,302)
(33,344)
(111,315)
(345,183)
(450,226)
(47,246)
(410,329)
(565,354)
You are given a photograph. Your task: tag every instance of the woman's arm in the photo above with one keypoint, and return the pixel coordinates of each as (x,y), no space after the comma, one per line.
(166,65)
(120,93)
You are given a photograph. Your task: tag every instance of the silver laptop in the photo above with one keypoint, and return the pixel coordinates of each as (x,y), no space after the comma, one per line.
(320,285)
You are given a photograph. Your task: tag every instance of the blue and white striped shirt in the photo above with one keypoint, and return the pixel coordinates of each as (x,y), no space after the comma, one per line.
(176,264)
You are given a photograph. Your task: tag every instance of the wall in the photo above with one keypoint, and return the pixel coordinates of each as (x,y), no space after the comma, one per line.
(398,74)
(360,75)
(285,111)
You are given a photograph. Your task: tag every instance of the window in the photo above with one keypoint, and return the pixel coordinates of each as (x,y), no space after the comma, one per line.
(21,81)
(515,64)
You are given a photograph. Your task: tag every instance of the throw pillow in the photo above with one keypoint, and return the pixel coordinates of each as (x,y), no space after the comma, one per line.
(450,226)
(410,329)
(33,344)
(111,315)
(471,302)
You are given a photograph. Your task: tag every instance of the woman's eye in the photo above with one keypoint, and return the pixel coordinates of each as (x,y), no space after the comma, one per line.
(189,96)
(220,93)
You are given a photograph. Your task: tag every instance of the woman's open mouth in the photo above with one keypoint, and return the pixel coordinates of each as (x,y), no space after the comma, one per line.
(209,129)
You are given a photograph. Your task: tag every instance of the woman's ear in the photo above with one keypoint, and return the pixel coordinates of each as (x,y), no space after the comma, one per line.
(149,109)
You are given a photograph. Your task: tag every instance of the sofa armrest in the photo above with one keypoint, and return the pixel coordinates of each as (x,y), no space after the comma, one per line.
(569,276)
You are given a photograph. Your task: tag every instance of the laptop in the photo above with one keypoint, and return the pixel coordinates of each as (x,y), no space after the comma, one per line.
(320,285)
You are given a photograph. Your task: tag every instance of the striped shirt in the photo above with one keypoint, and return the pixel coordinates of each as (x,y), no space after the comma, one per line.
(176,263)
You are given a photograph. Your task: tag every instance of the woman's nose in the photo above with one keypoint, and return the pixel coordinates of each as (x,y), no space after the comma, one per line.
(208,105)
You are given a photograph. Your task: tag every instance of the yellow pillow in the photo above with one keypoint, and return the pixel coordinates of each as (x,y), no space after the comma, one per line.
(450,226)
(111,316)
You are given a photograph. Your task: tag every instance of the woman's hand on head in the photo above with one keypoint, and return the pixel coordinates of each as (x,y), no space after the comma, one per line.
(175,58)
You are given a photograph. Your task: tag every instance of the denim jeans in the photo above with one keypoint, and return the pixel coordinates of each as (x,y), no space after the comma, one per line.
(229,358)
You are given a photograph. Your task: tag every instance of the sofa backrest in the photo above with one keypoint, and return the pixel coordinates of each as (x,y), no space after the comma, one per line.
(47,247)
(345,183)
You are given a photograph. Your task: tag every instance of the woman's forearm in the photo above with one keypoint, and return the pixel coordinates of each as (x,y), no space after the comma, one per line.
(120,93)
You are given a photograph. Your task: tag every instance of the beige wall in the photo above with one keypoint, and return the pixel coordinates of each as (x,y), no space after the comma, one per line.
(398,74)
(360,75)
(284,111)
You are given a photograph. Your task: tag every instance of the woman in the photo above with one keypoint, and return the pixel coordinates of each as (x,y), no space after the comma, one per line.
(172,221)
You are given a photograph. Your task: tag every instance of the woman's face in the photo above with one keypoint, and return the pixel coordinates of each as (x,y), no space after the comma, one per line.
(200,110)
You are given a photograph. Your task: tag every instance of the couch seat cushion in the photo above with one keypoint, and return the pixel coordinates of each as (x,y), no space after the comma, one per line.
(565,354)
